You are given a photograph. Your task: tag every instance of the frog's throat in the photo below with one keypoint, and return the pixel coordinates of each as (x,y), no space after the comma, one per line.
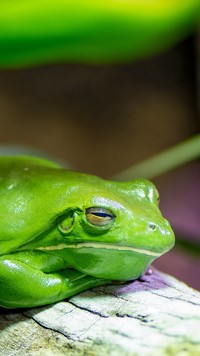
(100,246)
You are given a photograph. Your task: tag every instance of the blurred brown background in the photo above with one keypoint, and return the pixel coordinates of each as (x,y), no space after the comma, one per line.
(103,119)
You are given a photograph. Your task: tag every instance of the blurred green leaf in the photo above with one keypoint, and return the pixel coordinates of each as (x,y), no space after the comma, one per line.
(100,31)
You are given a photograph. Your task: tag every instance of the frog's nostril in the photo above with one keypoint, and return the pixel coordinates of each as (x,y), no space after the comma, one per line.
(152,227)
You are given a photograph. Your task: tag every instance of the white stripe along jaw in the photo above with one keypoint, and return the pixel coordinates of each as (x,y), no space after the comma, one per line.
(98,246)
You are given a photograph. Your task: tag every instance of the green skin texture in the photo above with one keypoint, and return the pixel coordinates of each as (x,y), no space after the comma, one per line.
(49,249)
(100,31)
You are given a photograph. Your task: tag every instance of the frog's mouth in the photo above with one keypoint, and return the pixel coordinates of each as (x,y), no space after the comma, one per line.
(100,246)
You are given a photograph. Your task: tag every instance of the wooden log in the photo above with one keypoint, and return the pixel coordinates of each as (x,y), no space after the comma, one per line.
(156,315)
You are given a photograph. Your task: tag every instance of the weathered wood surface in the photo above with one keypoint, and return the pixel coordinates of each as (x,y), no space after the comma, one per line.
(157,315)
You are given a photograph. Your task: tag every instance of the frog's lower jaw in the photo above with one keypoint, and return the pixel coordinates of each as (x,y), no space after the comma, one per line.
(107,261)
(100,246)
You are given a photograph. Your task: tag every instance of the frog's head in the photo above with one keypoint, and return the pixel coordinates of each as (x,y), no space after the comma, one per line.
(106,229)
(116,231)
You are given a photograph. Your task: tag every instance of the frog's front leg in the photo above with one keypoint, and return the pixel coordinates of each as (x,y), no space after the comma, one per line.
(24,285)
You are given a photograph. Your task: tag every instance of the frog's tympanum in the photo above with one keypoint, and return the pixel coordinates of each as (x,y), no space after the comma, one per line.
(63,232)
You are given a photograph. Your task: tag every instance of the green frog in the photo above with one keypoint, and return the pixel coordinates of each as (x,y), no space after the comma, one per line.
(63,232)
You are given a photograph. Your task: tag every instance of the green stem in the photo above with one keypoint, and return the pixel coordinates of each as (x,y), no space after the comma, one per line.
(189,247)
(164,161)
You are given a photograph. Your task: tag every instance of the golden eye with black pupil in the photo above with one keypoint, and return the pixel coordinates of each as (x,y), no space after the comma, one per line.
(99,216)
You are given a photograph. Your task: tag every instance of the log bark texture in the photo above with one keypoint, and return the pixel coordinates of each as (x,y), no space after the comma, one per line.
(156,315)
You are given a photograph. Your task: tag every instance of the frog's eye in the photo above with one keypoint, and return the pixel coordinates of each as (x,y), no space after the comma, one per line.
(99,216)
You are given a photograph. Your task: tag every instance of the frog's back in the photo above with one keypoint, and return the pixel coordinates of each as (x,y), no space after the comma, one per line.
(34,192)
(27,191)
(12,162)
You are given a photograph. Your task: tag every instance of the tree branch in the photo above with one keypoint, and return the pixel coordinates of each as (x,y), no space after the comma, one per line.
(156,315)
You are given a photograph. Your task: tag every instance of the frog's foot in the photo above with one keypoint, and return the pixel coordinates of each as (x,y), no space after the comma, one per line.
(149,271)
(24,286)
